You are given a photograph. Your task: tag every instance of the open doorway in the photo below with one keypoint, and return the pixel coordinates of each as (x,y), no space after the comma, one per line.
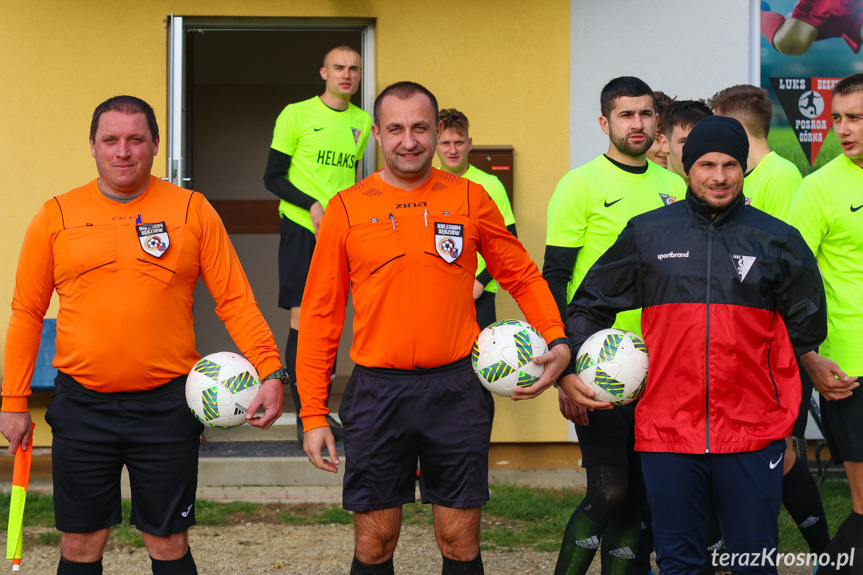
(237,77)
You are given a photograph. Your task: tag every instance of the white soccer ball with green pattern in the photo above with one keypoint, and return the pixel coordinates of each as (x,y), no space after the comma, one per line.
(614,364)
(220,388)
(502,356)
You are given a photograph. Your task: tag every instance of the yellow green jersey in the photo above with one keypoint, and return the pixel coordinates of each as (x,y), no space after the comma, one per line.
(325,146)
(771,185)
(593,203)
(497,192)
(827,211)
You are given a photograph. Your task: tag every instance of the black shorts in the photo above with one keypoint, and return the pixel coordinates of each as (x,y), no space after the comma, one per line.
(803,414)
(95,434)
(842,426)
(393,418)
(610,437)
(296,245)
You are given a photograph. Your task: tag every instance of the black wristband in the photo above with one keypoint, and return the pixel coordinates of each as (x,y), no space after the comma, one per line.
(560,341)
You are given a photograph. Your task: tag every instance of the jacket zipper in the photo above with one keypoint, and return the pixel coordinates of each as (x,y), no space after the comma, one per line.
(707,342)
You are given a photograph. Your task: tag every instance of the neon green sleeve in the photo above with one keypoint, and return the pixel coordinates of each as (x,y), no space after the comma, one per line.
(285,134)
(776,197)
(567,213)
(497,192)
(808,212)
(364,138)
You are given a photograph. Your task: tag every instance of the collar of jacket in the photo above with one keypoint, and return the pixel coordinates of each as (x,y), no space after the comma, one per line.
(702,211)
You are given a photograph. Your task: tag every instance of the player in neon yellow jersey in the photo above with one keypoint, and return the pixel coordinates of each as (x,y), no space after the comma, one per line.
(316,149)
(772,180)
(589,208)
(827,211)
(452,150)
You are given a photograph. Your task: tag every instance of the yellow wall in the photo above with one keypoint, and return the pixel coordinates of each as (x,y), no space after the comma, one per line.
(504,65)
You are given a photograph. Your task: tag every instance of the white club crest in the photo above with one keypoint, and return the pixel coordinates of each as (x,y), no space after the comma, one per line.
(448,240)
(154,238)
(743,265)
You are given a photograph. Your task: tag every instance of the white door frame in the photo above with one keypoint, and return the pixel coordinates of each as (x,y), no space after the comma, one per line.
(179,25)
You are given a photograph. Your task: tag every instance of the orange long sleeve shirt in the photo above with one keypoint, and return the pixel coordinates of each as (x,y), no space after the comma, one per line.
(125,318)
(408,257)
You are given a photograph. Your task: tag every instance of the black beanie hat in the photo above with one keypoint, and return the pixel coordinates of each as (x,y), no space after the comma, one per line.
(716,134)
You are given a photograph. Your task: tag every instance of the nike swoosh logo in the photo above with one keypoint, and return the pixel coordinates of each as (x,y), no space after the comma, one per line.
(318,129)
(609,204)
(853,209)
(186,512)
(773,465)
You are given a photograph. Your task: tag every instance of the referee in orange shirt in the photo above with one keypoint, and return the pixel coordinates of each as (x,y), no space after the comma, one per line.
(403,242)
(124,253)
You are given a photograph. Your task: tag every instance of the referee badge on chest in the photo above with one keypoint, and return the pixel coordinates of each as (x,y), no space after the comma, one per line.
(448,240)
(154,238)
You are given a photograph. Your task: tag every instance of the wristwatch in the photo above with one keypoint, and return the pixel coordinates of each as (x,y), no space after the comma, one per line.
(280,373)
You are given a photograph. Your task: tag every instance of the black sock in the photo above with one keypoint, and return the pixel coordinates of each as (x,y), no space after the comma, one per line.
(453,567)
(66,567)
(620,540)
(849,536)
(291,367)
(607,486)
(360,568)
(801,498)
(185,565)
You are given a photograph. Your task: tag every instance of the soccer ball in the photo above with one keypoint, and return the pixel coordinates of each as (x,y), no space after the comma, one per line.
(614,364)
(220,388)
(502,353)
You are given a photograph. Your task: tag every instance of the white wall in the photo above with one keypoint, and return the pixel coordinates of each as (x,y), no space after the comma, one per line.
(689,49)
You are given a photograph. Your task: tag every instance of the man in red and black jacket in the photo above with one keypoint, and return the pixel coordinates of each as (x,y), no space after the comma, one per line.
(730,295)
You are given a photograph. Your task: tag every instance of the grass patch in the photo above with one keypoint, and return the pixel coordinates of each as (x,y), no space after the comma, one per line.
(515,518)
(784,142)
(522,518)
(417,514)
(337,515)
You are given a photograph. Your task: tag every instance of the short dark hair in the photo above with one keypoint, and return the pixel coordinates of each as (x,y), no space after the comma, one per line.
(452,118)
(403,91)
(662,100)
(848,85)
(748,104)
(125,105)
(683,113)
(623,86)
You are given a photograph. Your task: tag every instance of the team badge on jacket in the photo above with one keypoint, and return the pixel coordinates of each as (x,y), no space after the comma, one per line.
(448,240)
(743,265)
(154,238)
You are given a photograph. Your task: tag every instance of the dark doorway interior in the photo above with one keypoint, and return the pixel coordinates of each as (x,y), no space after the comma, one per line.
(237,83)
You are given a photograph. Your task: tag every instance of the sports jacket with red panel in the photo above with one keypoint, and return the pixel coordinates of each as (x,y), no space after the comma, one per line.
(728,301)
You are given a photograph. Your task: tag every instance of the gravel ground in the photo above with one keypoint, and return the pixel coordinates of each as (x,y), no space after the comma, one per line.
(288,550)
(264,548)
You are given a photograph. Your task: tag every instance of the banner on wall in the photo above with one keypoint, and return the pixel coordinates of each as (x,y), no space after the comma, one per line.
(806,103)
(806,47)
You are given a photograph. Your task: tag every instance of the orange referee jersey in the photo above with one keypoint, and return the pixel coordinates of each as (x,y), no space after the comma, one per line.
(125,318)
(408,257)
